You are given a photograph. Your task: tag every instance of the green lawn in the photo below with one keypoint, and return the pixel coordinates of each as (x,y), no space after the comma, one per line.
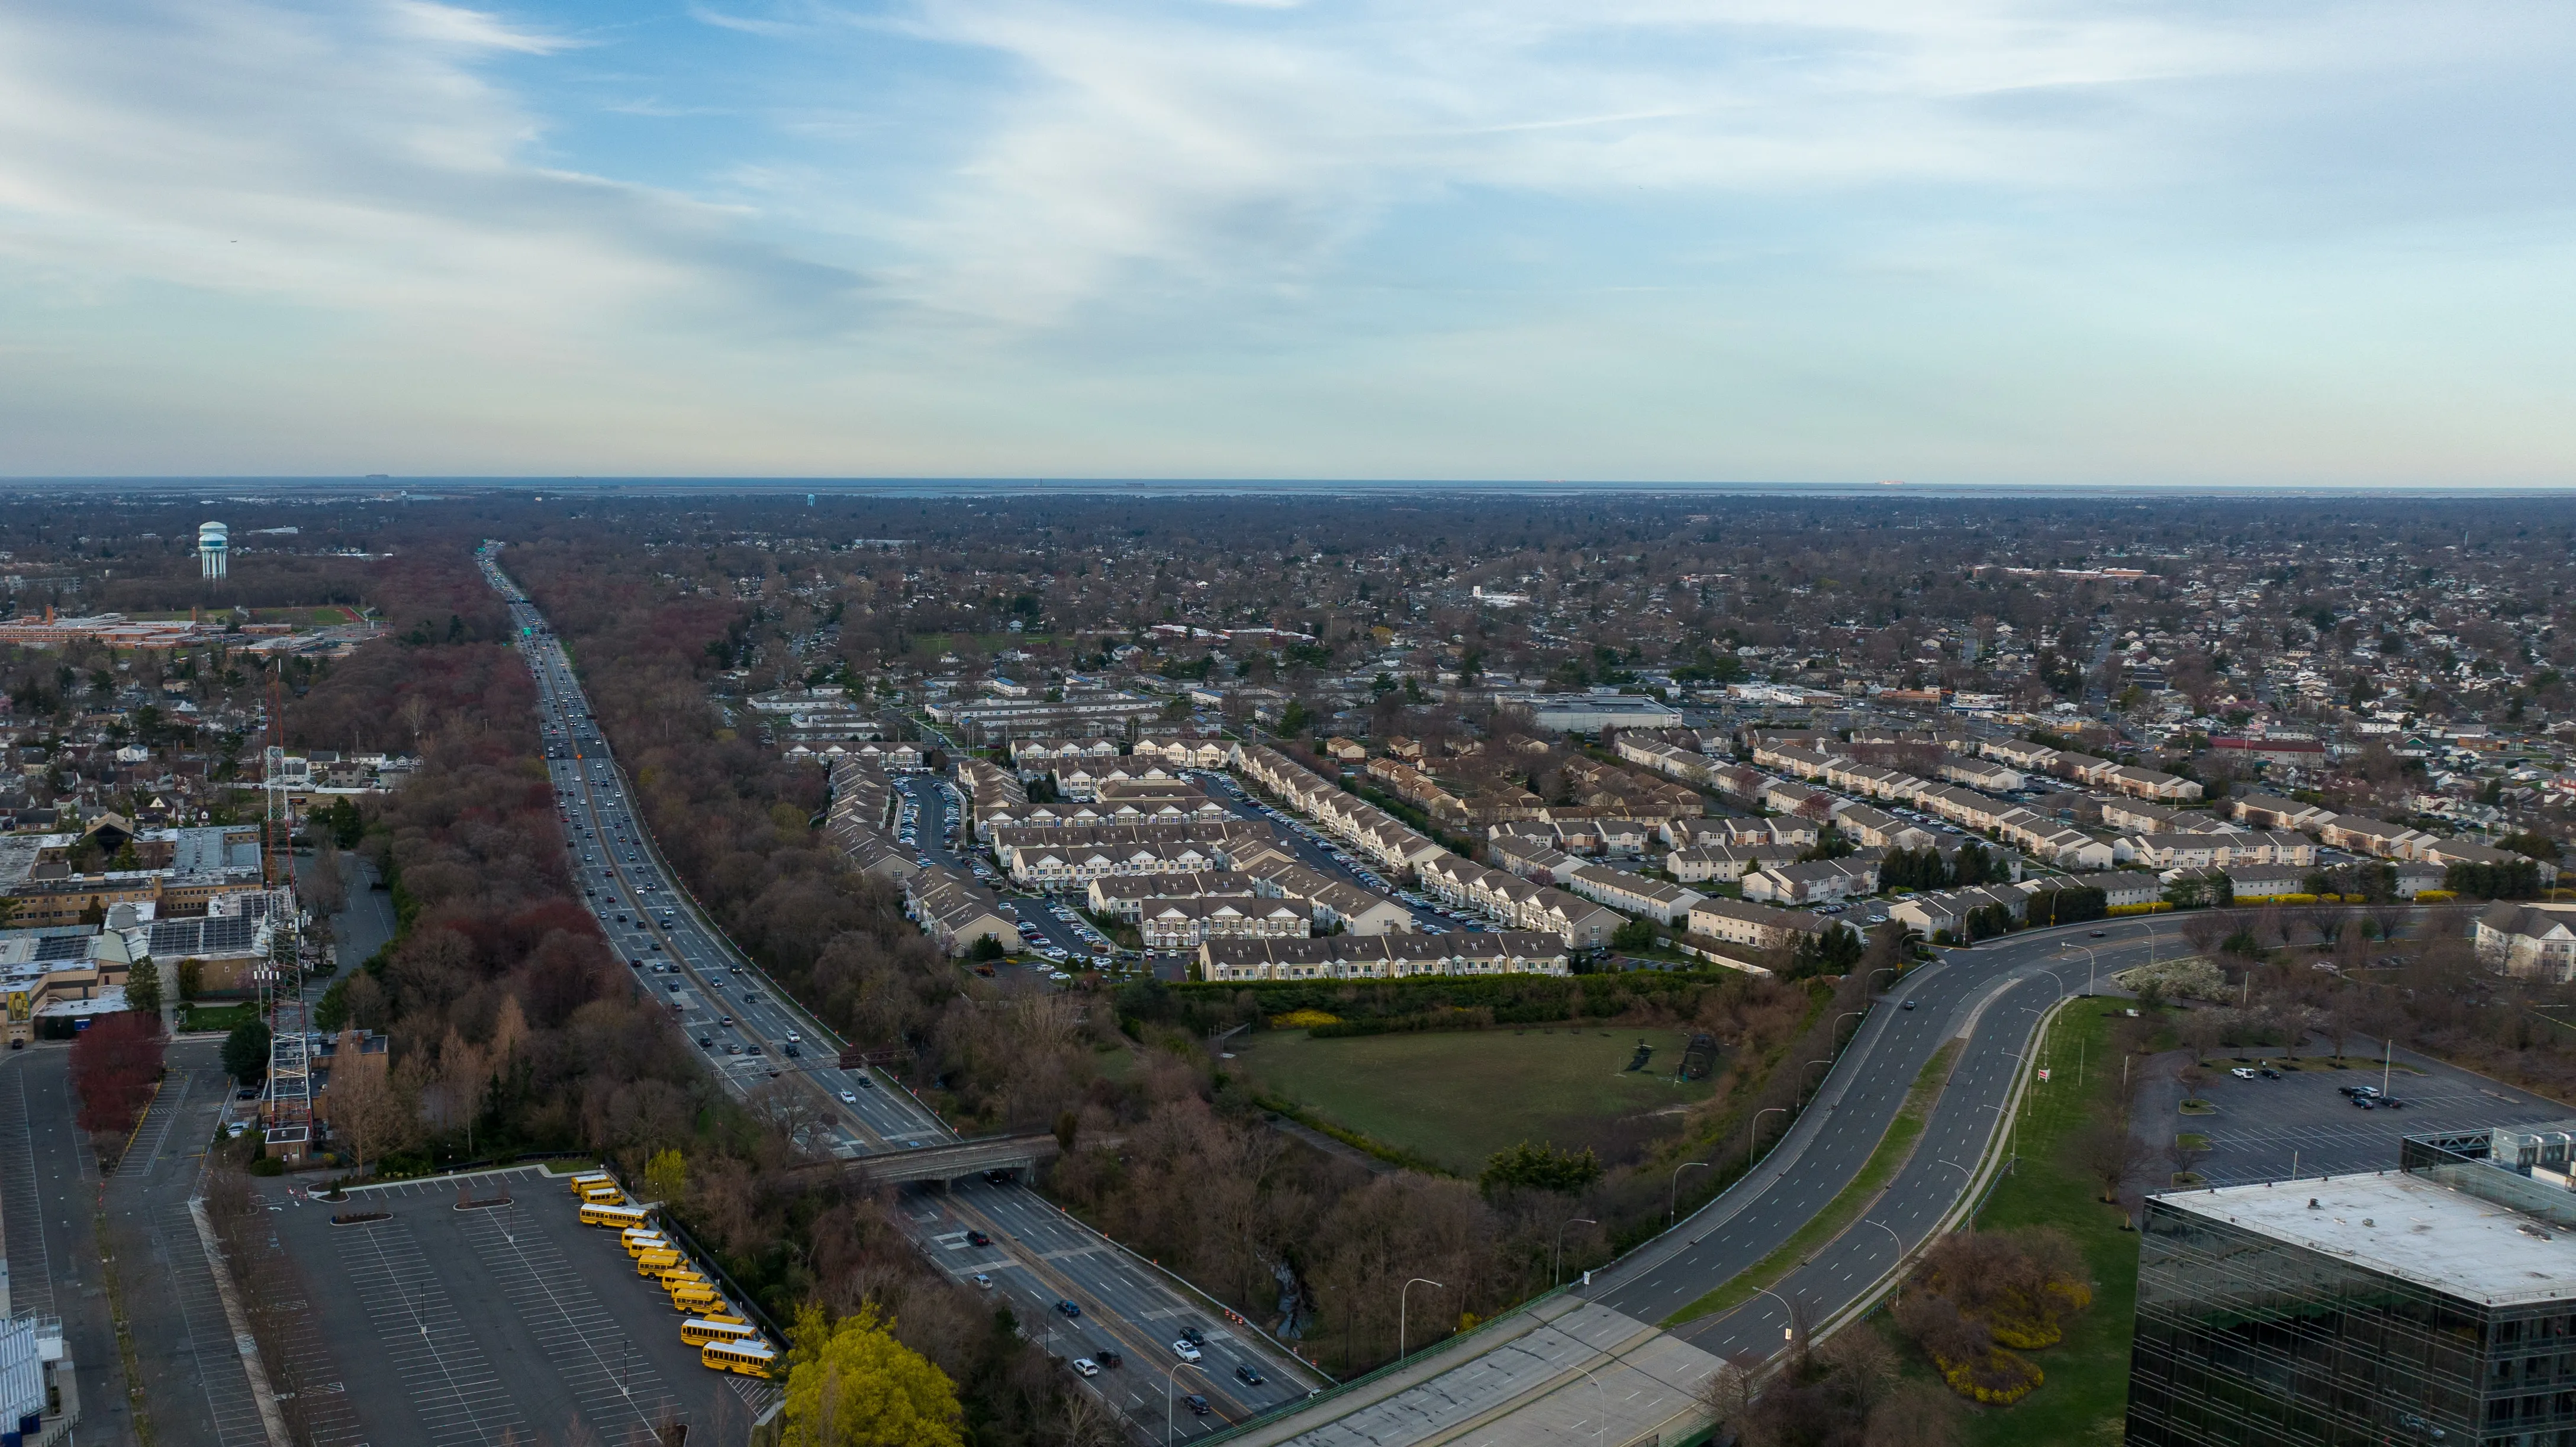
(2087,1386)
(1456,1097)
(217,1017)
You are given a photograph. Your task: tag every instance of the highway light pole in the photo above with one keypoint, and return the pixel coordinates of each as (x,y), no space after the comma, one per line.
(1802,1072)
(1900,1247)
(1401,1303)
(2088,963)
(1789,1331)
(1557,1271)
(1755,1131)
(1672,1197)
(1847,1015)
(1169,1378)
(1602,1395)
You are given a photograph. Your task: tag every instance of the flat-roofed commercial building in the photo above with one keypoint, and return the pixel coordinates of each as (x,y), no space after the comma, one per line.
(2432,1303)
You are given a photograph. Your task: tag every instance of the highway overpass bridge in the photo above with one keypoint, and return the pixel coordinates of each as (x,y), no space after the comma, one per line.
(954,1161)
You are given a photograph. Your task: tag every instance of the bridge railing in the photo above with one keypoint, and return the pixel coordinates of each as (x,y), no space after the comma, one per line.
(1317,1398)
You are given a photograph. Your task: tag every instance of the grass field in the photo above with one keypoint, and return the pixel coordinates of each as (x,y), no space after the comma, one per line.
(1456,1097)
(2086,1394)
(193,1016)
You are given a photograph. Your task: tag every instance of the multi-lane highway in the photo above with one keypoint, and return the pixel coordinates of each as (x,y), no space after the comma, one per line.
(755,1038)
(1533,1388)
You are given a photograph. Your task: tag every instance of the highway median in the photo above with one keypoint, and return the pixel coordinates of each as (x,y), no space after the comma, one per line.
(1895,1147)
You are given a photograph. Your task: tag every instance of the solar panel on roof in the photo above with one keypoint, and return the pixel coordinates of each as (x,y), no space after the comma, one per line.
(64,947)
(223,935)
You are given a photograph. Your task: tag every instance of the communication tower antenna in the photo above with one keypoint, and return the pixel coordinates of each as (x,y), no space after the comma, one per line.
(289,1112)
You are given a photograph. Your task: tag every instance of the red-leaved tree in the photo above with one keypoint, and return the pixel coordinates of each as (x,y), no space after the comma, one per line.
(114,1063)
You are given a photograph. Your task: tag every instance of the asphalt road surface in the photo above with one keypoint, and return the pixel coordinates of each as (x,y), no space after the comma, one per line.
(1994,994)
(683,960)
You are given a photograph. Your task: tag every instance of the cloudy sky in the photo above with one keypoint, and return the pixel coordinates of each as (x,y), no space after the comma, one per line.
(1969,241)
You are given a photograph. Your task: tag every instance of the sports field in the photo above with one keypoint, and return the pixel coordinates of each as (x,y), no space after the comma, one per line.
(1459,1096)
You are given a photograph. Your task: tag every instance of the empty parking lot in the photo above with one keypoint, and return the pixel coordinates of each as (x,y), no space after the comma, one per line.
(476,1326)
(2265,1129)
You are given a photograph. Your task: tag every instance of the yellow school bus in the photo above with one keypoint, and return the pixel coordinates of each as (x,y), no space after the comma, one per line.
(693,1298)
(595,1214)
(588,1179)
(675,1275)
(639,1242)
(750,1358)
(657,1261)
(697,1331)
(603,1195)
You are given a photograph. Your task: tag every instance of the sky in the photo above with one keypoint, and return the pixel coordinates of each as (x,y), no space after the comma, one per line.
(2262,242)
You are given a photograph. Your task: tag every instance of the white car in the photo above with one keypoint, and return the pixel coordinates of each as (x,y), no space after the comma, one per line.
(849,1097)
(1086,1366)
(1181,1348)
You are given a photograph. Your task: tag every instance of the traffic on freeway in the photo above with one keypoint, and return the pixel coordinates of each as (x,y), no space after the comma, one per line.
(753,1036)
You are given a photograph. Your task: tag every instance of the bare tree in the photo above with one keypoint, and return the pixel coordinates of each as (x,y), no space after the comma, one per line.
(786,1109)
(2200,1030)
(1725,1393)
(2205,930)
(2186,1152)
(2111,1154)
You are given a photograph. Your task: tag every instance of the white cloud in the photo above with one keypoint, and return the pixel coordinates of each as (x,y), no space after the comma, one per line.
(351,164)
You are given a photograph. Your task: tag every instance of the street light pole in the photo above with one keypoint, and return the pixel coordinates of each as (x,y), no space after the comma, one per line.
(1556,1272)
(2088,963)
(1754,1132)
(1900,1247)
(1673,1197)
(1400,1305)
(1169,1378)
(1602,1402)
(1789,1332)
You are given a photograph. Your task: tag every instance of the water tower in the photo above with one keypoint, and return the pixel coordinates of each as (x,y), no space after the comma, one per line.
(214,551)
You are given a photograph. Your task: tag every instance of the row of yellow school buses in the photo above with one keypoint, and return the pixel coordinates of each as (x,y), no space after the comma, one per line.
(725,1342)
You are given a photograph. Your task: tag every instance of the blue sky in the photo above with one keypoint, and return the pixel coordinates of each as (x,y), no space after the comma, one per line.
(1963,241)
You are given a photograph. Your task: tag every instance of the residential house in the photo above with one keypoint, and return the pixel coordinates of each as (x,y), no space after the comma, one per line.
(1725,863)
(2532,941)
(1757,926)
(956,911)
(1817,881)
(1634,894)
(1347,957)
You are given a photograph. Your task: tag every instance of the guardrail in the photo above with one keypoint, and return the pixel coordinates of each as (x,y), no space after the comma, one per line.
(1316,1398)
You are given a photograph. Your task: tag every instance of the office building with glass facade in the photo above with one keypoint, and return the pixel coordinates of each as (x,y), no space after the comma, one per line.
(2432,1303)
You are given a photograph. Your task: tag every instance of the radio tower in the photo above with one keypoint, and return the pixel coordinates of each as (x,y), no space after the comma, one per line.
(289,1114)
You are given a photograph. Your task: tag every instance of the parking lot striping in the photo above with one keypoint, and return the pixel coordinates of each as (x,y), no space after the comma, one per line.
(455,1394)
(146,1147)
(224,1377)
(330,1418)
(435,1185)
(586,1342)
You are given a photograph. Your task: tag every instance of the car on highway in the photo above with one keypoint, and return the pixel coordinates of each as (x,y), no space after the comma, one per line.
(1197,1404)
(1109,1358)
(1181,1348)
(1069,1308)
(983,1281)
(1085,1366)
(1247,1374)
(849,1097)
(978,1238)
